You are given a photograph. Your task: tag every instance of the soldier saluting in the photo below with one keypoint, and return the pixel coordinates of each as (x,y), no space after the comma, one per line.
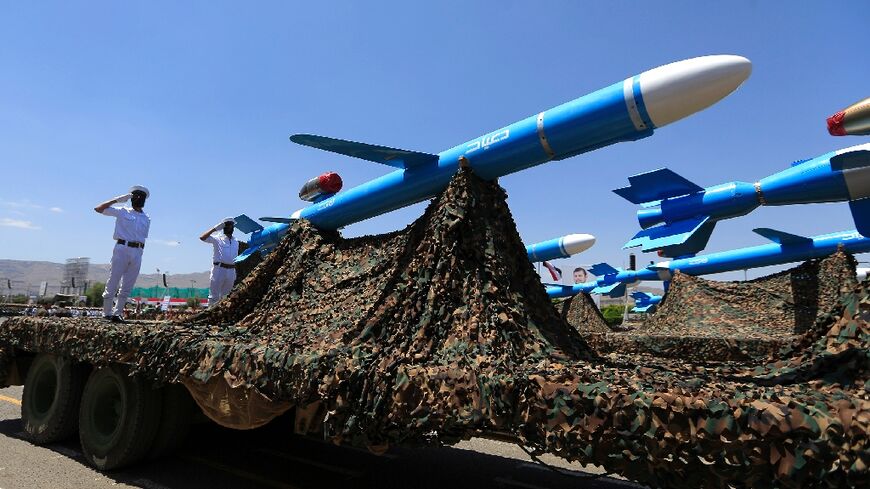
(131,231)
(226,249)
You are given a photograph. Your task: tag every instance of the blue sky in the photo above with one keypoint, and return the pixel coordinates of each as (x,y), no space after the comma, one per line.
(196,100)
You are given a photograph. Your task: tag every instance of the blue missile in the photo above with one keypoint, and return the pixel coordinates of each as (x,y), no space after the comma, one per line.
(678,216)
(644,302)
(625,111)
(786,248)
(559,247)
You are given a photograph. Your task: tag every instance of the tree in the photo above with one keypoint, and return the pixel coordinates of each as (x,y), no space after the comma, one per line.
(613,314)
(95,294)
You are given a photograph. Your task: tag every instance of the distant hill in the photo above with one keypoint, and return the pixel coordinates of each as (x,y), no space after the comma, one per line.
(24,273)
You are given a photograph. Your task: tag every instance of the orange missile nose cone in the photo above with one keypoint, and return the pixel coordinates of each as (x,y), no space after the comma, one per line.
(835,124)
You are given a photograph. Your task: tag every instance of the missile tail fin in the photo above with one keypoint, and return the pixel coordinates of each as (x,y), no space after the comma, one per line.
(861,215)
(656,185)
(397,158)
(602,269)
(782,237)
(247,254)
(640,296)
(680,238)
(247,225)
(612,290)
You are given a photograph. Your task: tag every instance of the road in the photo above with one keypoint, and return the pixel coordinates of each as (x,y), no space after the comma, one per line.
(218,458)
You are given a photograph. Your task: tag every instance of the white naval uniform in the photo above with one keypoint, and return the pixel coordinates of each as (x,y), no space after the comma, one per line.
(226,249)
(132,226)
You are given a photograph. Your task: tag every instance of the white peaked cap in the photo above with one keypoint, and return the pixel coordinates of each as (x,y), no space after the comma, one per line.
(141,189)
(228,219)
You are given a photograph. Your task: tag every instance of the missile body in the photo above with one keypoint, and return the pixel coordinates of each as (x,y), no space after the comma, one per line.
(559,247)
(644,302)
(851,121)
(678,216)
(786,248)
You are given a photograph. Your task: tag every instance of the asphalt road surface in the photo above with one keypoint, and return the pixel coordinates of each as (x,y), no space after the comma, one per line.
(217,458)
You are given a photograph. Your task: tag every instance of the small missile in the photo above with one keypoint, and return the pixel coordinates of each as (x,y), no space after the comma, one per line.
(644,302)
(560,247)
(677,216)
(854,120)
(785,248)
(625,111)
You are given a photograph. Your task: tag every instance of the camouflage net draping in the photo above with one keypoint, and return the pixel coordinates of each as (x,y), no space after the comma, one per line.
(443,331)
(706,320)
(581,312)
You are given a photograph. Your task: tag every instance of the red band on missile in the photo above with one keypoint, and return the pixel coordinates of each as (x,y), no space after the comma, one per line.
(330,182)
(835,124)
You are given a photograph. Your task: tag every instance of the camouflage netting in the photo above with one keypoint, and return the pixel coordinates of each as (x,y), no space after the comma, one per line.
(581,312)
(706,320)
(443,331)
(777,306)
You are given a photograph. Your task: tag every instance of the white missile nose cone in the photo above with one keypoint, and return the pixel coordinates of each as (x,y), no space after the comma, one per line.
(575,243)
(680,89)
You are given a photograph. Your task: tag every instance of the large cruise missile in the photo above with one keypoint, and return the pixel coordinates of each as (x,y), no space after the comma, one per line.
(786,248)
(678,216)
(854,120)
(625,111)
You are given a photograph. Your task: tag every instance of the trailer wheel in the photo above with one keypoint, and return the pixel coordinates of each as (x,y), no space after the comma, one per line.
(50,402)
(118,418)
(178,411)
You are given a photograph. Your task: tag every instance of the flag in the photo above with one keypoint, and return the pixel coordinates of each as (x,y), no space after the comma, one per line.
(555,272)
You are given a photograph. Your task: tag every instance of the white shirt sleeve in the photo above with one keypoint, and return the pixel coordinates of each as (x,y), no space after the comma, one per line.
(211,239)
(112,211)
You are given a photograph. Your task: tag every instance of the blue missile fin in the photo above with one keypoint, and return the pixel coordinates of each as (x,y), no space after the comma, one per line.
(656,185)
(283,220)
(640,296)
(861,215)
(398,158)
(602,269)
(646,308)
(248,252)
(677,239)
(247,225)
(612,290)
(781,237)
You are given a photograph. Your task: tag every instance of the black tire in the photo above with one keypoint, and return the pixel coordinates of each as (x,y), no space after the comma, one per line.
(178,411)
(118,418)
(50,402)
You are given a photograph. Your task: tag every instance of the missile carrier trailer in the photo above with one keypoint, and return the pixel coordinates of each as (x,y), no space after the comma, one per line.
(437,333)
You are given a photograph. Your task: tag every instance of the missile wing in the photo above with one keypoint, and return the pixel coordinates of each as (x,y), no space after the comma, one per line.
(397,158)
